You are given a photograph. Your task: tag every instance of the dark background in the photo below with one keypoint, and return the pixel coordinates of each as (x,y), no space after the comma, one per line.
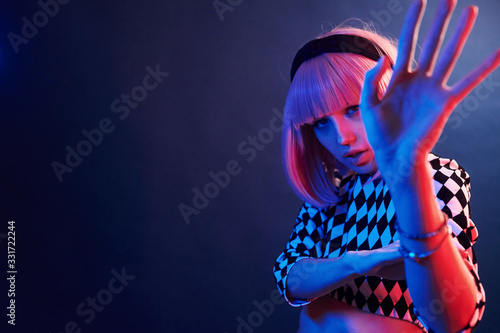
(119,207)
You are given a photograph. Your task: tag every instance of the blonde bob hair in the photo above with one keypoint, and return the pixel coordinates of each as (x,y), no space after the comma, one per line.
(322,84)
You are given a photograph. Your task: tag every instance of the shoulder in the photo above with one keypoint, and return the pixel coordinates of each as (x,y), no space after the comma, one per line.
(451,186)
(450,179)
(447,170)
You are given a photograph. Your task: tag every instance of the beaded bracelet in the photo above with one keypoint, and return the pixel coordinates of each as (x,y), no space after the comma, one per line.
(417,257)
(427,235)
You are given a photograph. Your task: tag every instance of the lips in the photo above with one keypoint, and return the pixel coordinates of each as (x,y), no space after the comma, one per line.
(354,153)
(356,157)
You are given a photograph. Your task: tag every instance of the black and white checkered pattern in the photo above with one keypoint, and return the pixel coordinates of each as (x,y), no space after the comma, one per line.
(364,219)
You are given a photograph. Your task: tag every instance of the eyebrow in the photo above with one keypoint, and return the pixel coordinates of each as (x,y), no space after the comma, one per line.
(349,106)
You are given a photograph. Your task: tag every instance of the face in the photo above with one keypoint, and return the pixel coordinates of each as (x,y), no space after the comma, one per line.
(343,134)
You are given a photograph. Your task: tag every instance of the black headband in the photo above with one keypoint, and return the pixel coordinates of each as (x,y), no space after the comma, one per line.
(336,44)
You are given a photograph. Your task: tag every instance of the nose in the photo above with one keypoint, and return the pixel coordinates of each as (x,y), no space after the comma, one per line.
(345,135)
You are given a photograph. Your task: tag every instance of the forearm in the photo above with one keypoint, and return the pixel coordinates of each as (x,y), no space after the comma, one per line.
(311,278)
(440,285)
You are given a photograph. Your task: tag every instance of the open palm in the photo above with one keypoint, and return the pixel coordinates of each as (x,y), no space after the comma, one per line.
(405,123)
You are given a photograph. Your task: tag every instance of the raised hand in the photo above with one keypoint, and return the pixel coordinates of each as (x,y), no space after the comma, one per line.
(404,124)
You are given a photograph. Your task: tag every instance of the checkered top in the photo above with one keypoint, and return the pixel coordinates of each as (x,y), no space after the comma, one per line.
(364,219)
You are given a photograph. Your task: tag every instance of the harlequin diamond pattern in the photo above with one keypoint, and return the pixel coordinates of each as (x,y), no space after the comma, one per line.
(370,217)
(364,219)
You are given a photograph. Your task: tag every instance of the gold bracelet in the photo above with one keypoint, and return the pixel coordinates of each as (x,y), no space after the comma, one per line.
(417,257)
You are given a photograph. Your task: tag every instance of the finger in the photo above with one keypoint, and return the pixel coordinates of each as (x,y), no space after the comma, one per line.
(408,36)
(473,79)
(370,91)
(434,38)
(453,49)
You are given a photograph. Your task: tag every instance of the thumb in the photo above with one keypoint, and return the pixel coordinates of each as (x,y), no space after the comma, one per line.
(370,91)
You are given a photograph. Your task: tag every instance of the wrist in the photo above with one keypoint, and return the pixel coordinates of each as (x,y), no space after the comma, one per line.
(408,177)
(351,263)
(415,201)
(360,263)
(403,170)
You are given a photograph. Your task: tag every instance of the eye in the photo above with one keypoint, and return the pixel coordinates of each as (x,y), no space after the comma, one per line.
(352,110)
(320,123)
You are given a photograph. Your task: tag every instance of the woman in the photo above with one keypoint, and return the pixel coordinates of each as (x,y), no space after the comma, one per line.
(358,122)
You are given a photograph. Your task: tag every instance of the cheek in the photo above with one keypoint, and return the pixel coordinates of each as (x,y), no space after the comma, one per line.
(358,129)
(329,141)
(324,137)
